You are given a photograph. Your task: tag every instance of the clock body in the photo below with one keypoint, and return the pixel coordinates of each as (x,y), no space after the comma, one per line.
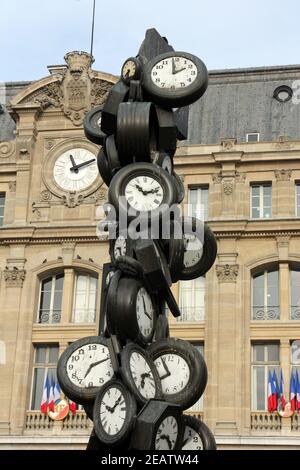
(175,79)
(196,435)
(84,367)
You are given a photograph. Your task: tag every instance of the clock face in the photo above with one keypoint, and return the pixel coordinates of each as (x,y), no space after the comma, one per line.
(191,439)
(144,193)
(193,250)
(120,247)
(142,376)
(75,170)
(129,69)
(145,312)
(90,366)
(174,373)
(167,433)
(113,411)
(174,73)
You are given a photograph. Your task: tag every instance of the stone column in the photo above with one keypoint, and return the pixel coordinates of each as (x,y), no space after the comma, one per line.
(68,296)
(284,189)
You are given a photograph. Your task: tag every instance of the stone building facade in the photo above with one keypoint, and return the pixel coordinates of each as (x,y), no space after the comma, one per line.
(241,170)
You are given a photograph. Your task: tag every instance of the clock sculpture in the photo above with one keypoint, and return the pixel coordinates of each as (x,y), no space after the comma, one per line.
(133,380)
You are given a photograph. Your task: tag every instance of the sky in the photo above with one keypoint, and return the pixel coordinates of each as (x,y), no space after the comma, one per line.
(223,33)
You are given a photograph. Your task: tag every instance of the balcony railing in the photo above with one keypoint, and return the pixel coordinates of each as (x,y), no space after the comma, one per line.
(295,313)
(295,422)
(265,313)
(189,314)
(47,316)
(263,421)
(37,422)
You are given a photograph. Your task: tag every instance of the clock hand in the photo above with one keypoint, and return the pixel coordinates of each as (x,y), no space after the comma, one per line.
(164,436)
(180,70)
(168,373)
(115,405)
(143,377)
(173,67)
(94,365)
(145,310)
(73,164)
(81,165)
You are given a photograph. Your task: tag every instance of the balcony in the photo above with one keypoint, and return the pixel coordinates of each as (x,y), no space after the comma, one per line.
(37,422)
(263,421)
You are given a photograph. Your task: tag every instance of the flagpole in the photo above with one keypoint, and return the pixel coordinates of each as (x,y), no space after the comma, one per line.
(93,27)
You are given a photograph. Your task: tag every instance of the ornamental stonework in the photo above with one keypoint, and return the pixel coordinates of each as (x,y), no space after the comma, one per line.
(228,186)
(72,199)
(283,175)
(227,272)
(14,277)
(7,149)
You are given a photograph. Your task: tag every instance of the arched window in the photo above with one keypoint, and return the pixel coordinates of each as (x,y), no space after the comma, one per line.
(265,295)
(85,296)
(295,294)
(51,292)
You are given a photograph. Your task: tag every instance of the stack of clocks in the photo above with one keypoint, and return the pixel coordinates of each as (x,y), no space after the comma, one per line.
(133,380)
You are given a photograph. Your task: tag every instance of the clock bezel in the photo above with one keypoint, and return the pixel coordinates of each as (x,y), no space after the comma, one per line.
(50,159)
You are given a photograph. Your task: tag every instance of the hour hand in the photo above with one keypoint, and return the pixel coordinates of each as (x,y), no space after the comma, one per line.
(74,167)
(94,364)
(168,373)
(81,165)
(180,70)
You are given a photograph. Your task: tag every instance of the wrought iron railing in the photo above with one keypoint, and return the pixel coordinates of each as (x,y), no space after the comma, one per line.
(189,314)
(50,316)
(295,312)
(266,313)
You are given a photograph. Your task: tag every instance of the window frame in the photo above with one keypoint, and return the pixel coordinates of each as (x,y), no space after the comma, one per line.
(297,185)
(53,276)
(78,273)
(193,292)
(2,218)
(252,133)
(261,185)
(266,365)
(35,365)
(200,187)
(265,272)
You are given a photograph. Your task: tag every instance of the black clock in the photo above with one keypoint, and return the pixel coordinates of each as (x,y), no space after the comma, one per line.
(156,271)
(175,79)
(180,187)
(92,126)
(117,95)
(142,189)
(131,311)
(139,373)
(122,245)
(182,371)
(131,70)
(114,413)
(162,328)
(158,426)
(84,367)
(196,435)
(163,160)
(200,249)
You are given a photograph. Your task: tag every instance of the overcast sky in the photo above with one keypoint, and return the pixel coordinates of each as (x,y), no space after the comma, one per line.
(223,33)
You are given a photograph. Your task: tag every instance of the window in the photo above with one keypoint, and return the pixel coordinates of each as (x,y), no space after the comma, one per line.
(261,201)
(85,299)
(198,203)
(198,406)
(265,358)
(295,294)
(45,360)
(51,299)
(298,199)
(252,137)
(265,298)
(192,300)
(2,205)
(283,93)
(295,356)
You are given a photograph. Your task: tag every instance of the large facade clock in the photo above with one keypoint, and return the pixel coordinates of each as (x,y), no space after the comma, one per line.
(75,169)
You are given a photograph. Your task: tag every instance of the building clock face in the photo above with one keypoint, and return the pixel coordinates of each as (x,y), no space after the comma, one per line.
(75,170)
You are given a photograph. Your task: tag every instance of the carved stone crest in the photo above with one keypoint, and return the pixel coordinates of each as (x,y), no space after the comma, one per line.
(46,196)
(228,186)
(227,272)
(283,175)
(12,186)
(72,199)
(14,277)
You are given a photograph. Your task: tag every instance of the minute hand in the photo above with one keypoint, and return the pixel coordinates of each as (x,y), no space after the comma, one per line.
(180,70)
(94,365)
(81,165)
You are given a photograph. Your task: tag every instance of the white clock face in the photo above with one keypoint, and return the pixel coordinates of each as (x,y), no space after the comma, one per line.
(90,366)
(193,250)
(75,170)
(142,376)
(167,434)
(113,411)
(144,193)
(120,247)
(145,312)
(174,73)
(191,439)
(174,373)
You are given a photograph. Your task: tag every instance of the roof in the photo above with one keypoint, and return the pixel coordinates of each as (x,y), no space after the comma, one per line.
(240,101)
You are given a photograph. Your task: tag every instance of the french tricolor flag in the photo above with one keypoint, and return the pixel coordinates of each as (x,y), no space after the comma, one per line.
(51,396)
(297,391)
(45,397)
(270,393)
(73,406)
(293,392)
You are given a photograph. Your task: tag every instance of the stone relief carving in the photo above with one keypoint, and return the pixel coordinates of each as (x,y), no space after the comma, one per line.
(49,144)
(283,175)
(76,90)
(46,196)
(228,144)
(14,277)
(227,272)
(101,195)
(72,199)
(228,186)
(7,149)
(12,186)
(35,210)
(228,180)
